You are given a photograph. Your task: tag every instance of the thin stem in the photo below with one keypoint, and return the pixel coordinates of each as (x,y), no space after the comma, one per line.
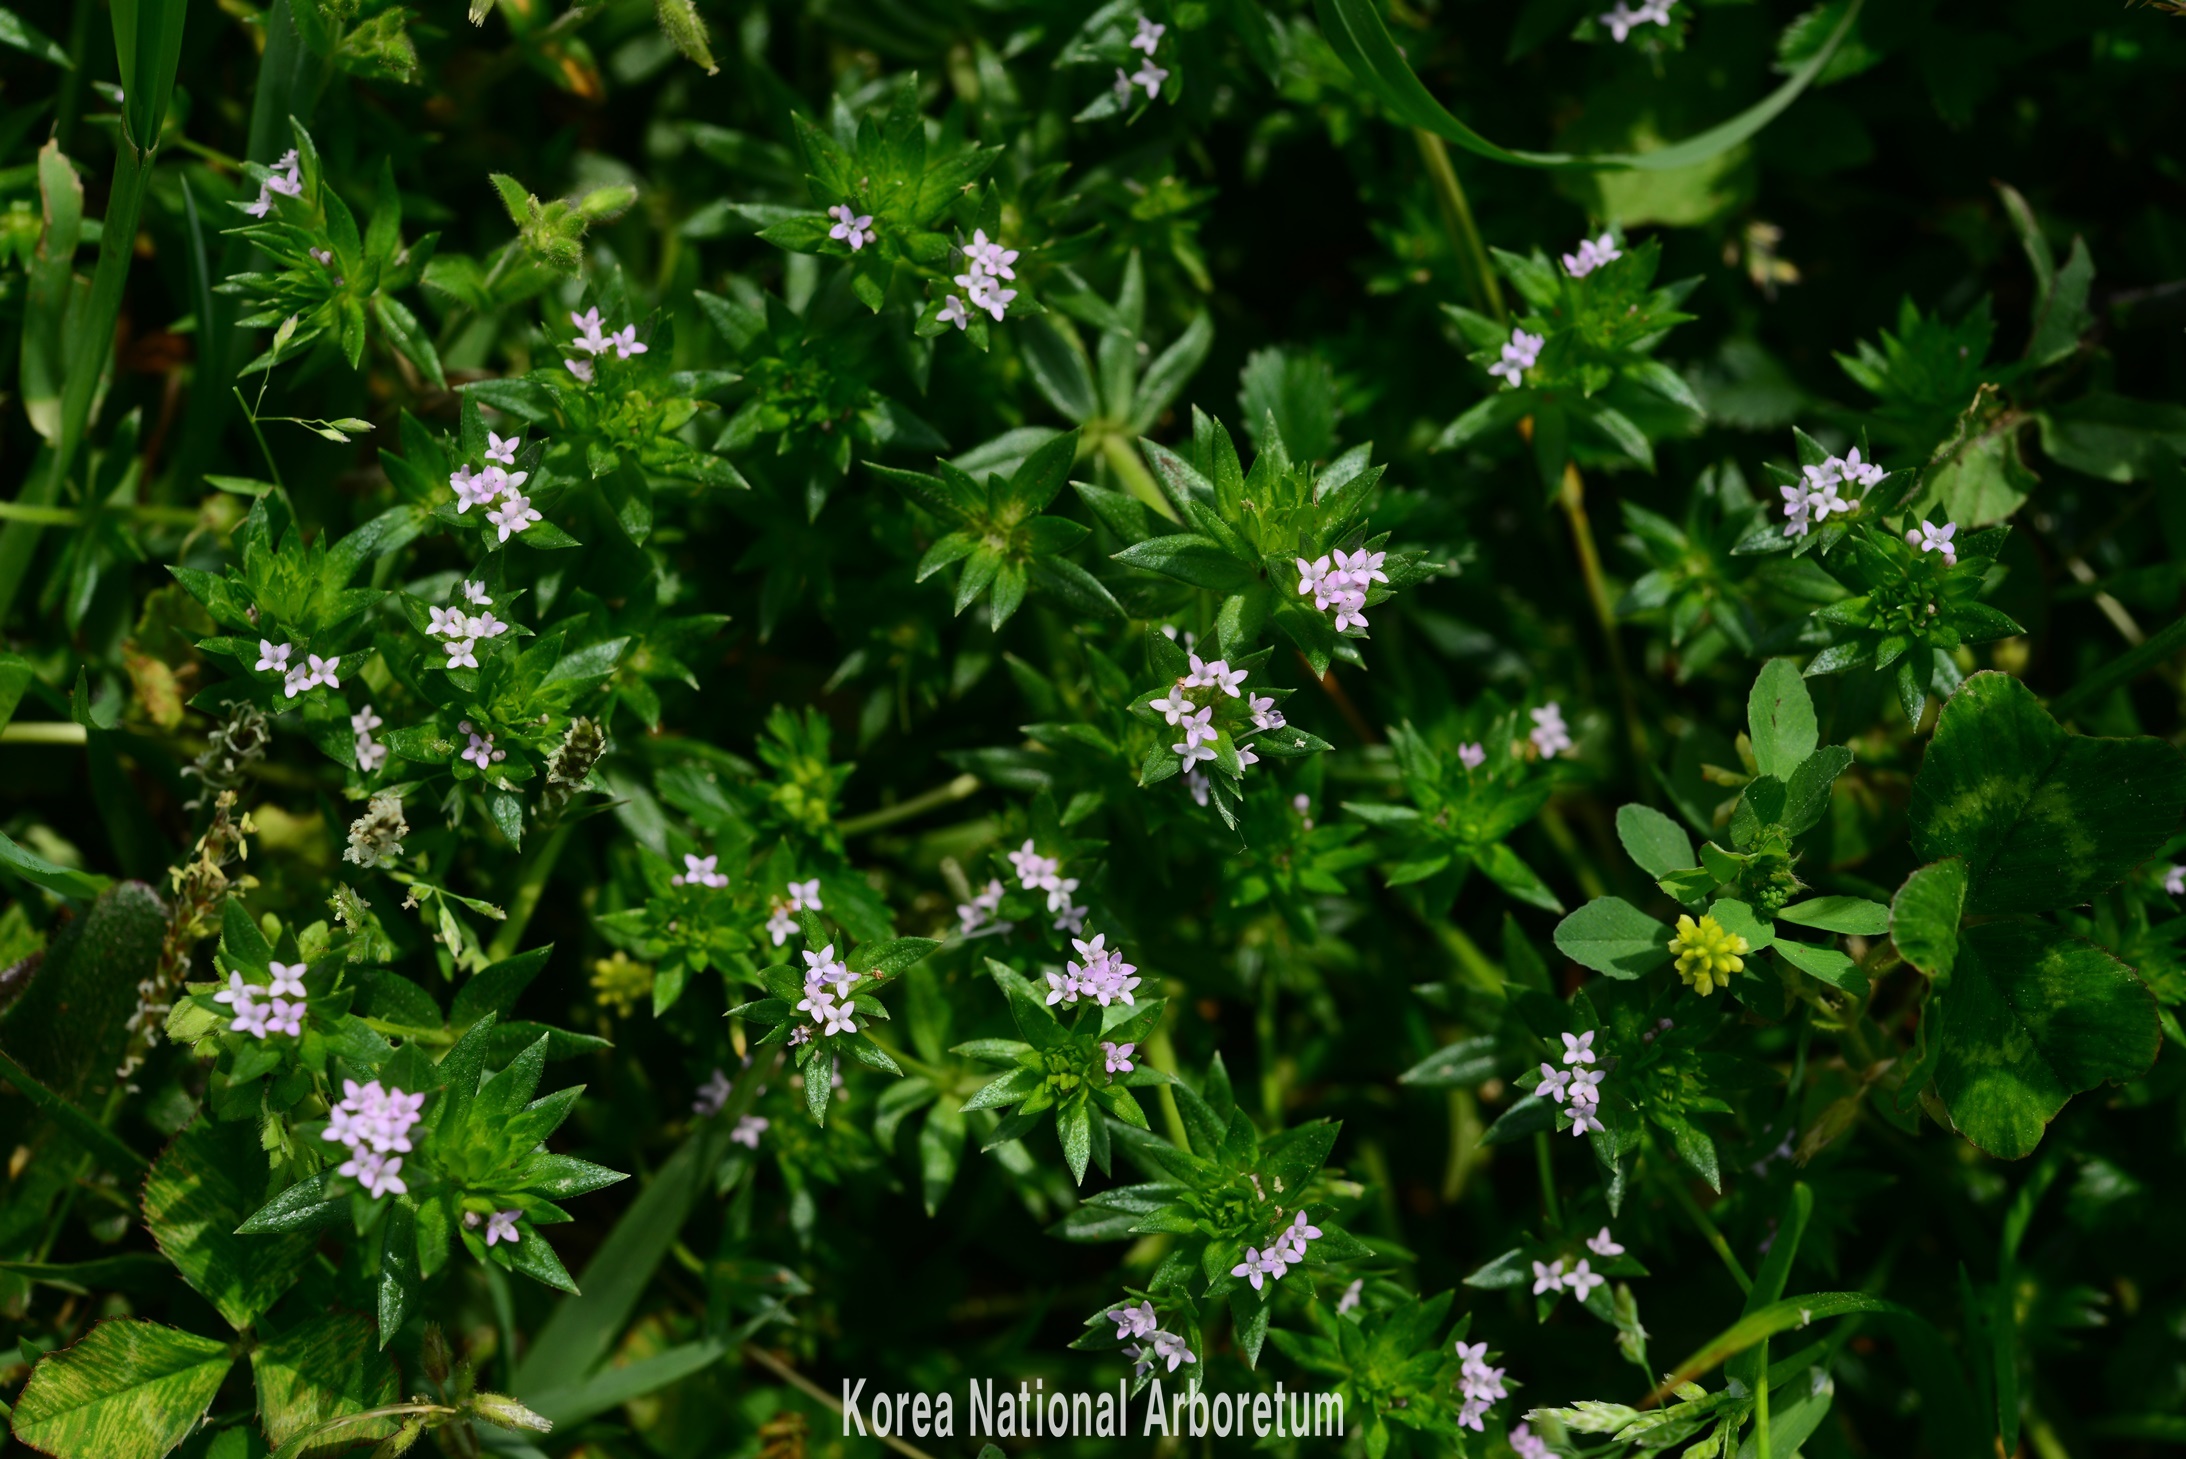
(72,517)
(904,810)
(1573,500)
(1457,216)
(536,867)
(1124,461)
(1162,1055)
(1708,1230)
(251,416)
(814,1391)
(44,732)
(1761,1407)
(1547,1167)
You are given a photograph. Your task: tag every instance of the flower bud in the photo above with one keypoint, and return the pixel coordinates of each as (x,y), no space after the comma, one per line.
(506,1412)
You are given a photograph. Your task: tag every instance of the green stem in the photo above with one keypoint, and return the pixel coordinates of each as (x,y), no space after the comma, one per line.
(1547,1167)
(1264,1028)
(1573,500)
(71,517)
(1457,216)
(1124,461)
(904,810)
(536,867)
(1761,1405)
(1162,1055)
(1708,1230)
(44,732)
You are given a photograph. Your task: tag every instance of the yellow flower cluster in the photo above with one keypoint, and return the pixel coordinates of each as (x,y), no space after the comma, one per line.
(1707,953)
(618,982)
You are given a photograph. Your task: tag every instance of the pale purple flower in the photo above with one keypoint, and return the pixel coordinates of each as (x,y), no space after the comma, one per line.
(748,1130)
(481,752)
(1214,675)
(1351,1296)
(1549,734)
(1198,784)
(1133,1321)
(1253,1268)
(712,1095)
(1174,706)
(1149,36)
(1581,1281)
(285,1017)
(582,369)
(1519,355)
(1149,76)
(780,925)
(1265,715)
(446,622)
(1930,538)
(273,657)
(1584,1121)
(1190,753)
(1033,869)
(1527,1444)
(1585,1087)
(1118,1057)
(1866,473)
(251,1017)
(288,979)
(1592,253)
(850,228)
(991,259)
(1579,1048)
(514,515)
(502,448)
(364,721)
(1548,1278)
(2174,880)
(698,871)
(986,293)
(1798,512)
(485,625)
(953,312)
(380,1175)
(1472,756)
(1554,1082)
(475,594)
(237,992)
(462,653)
(322,671)
(1169,1347)
(589,339)
(625,341)
(804,896)
(980,910)
(474,488)
(501,1226)
(1602,1244)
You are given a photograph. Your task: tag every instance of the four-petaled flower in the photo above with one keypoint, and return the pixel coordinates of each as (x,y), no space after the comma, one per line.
(804,896)
(502,448)
(1579,1048)
(1264,713)
(1622,21)
(1579,1280)
(288,980)
(514,515)
(1134,1321)
(1930,538)
(748,1130)
(462,653)
(1519,354)
(501,1226)
(698,871)
(1550,735)
(480,751)
(1472,756)
(1549,1277)
(1118,1057)
(273,657)
(1603,1244)
(1592,253)
(1149,36)
(849,227)
(954,312)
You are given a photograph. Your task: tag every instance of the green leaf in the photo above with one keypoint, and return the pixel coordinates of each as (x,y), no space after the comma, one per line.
(1507,870)
(2032,1017)
(128,1390)
(196,1197)
(1924,916)
(1612,936)
(1806,794)
(1780,714)
(1825,963)
(2043,819)
(326,1366)
(1739,919)
(1656,844)
(1855,916)
(77,886)
(1355,32)
(1189,558)
(1466,1062)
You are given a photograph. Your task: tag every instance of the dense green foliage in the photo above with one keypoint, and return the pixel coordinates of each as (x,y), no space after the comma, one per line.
(1475,708)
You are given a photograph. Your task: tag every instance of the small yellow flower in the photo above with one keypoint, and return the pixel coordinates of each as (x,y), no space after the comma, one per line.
(618,982)
(1707,953)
